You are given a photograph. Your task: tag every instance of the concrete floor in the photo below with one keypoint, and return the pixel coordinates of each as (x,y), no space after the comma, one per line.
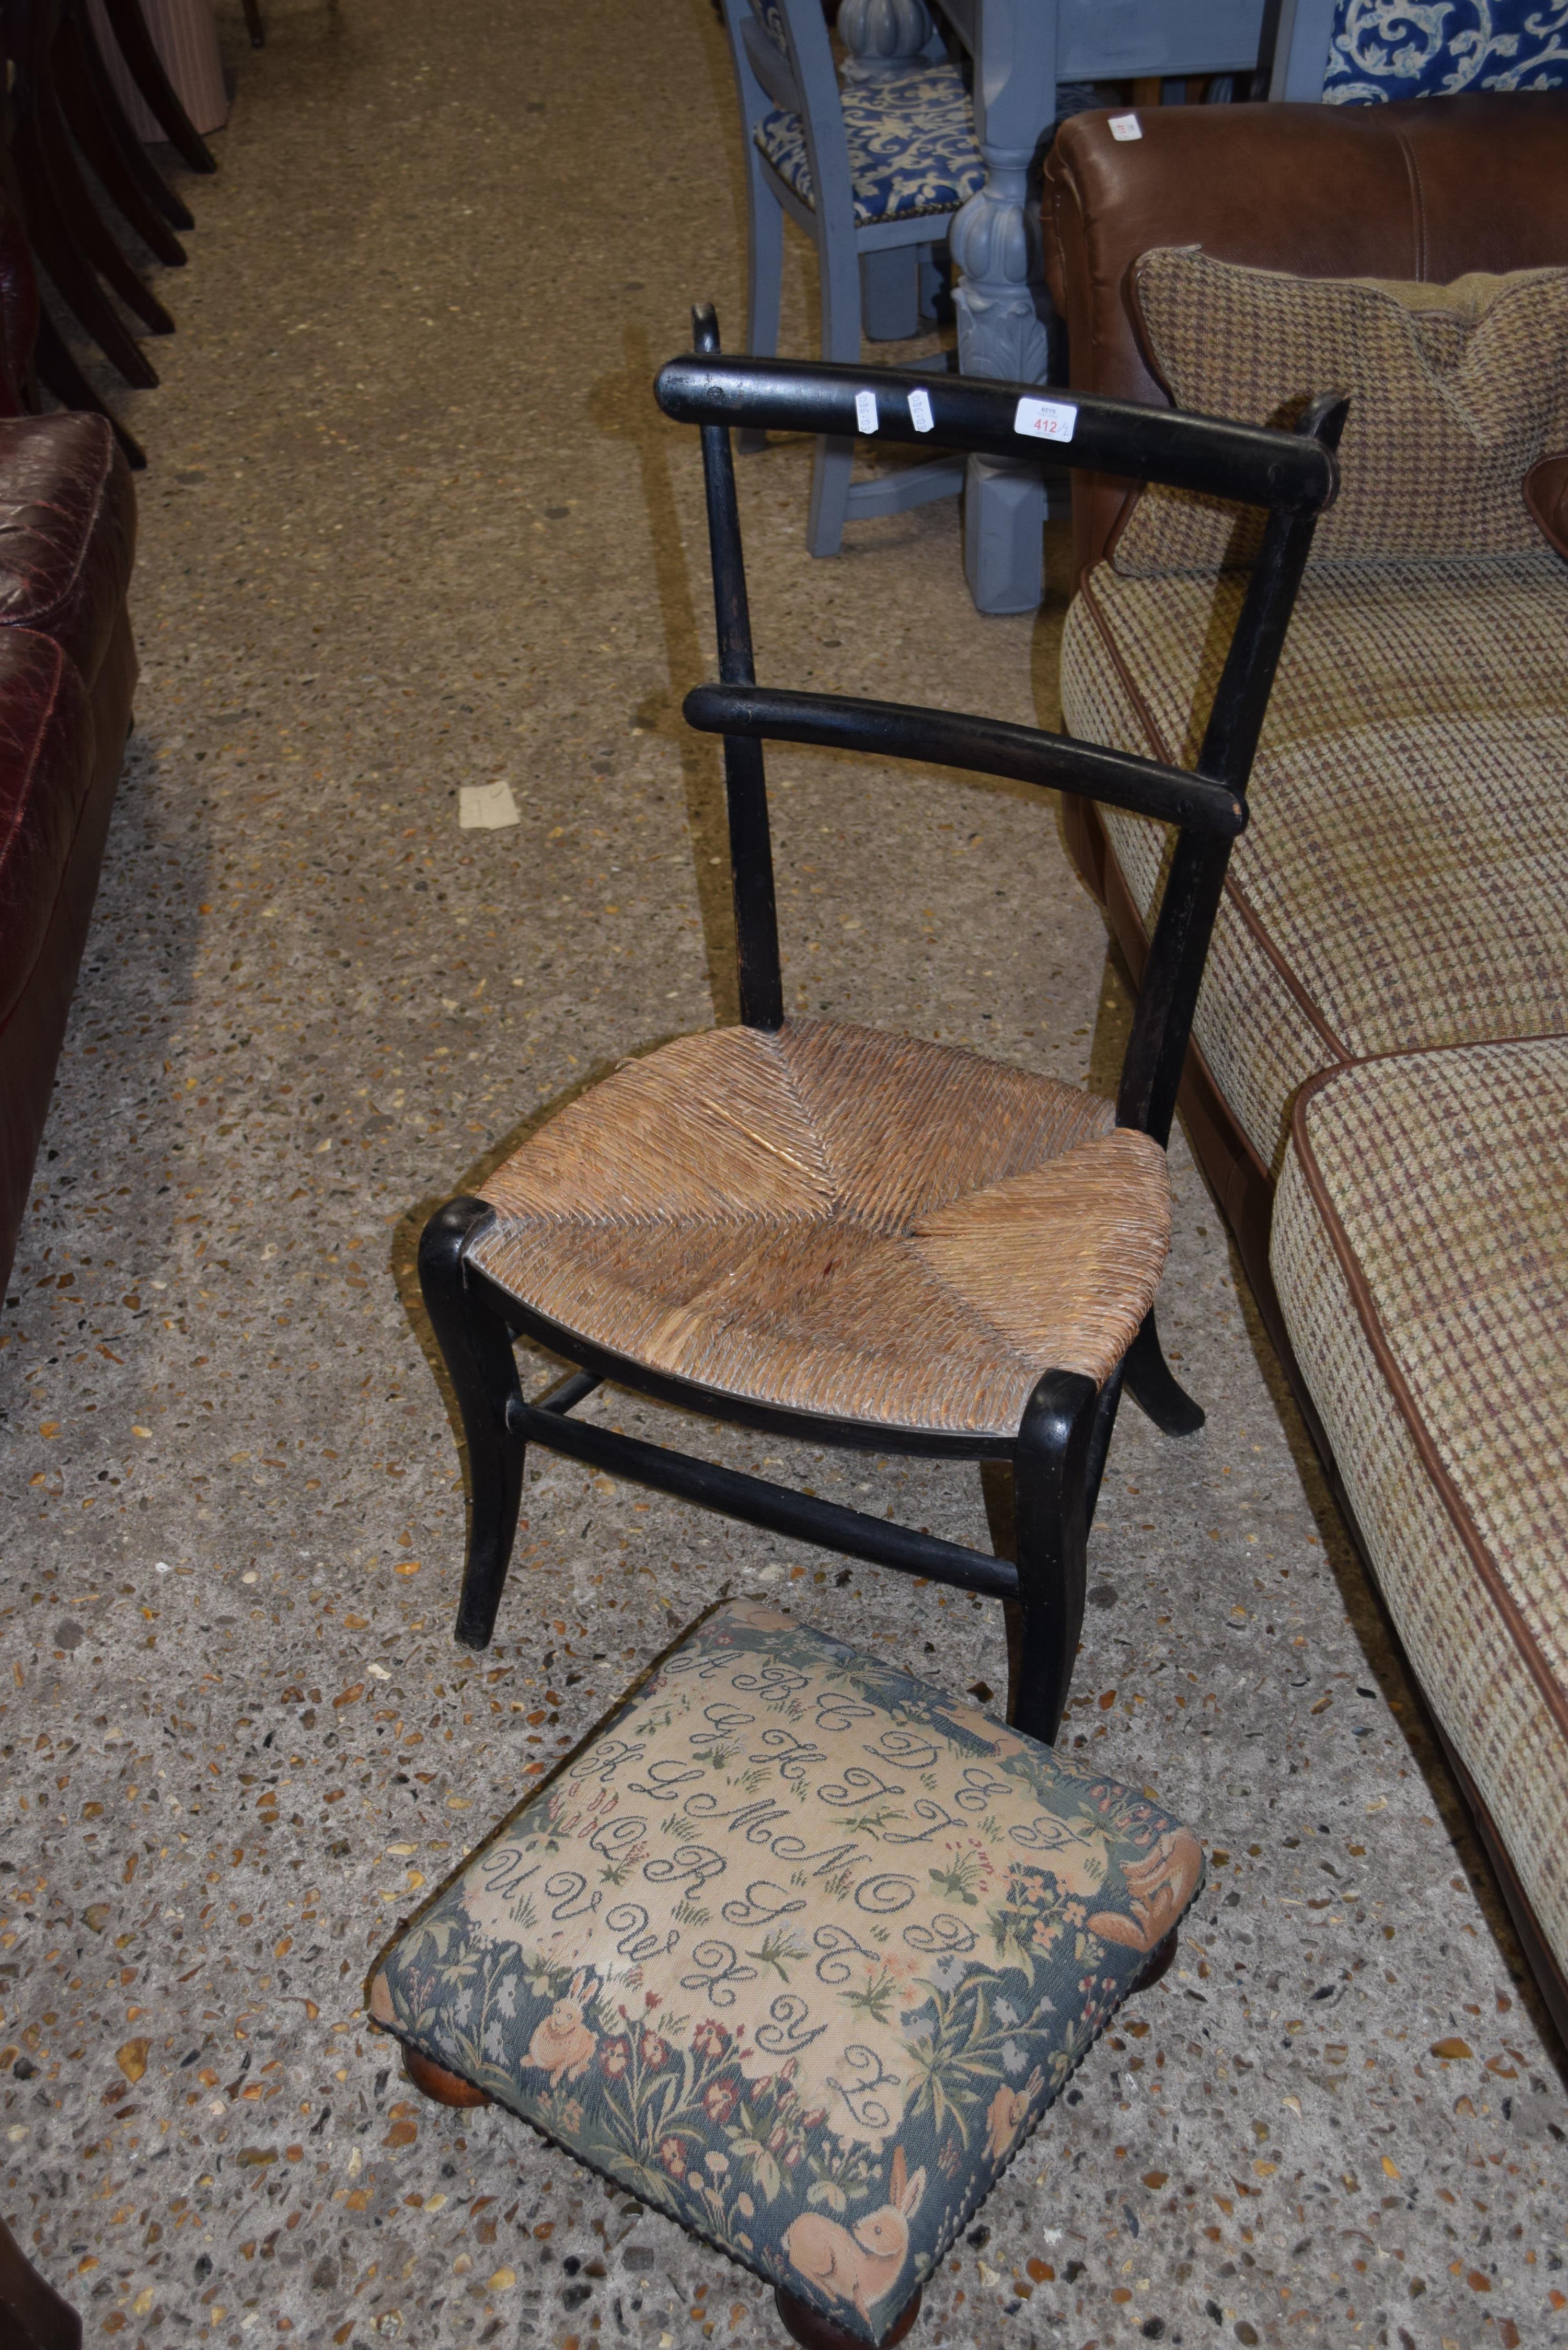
(412,523)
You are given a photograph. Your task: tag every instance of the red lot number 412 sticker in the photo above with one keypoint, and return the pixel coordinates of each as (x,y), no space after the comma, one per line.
(1045,419)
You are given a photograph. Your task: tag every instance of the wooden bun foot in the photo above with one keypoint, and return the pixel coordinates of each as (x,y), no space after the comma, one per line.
(433,2081)
(1155,1964)
(813,2331)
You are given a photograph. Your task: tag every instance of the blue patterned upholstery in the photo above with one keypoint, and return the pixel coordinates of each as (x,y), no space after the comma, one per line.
(1392,48)
(797,1951)
(911,145)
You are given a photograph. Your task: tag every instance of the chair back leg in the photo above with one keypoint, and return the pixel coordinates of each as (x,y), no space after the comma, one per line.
(765,278)
(838,267)
(1155,1387)
(891,293)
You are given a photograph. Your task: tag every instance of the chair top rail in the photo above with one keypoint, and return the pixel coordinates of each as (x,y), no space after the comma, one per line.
(992,746)
(1253,463)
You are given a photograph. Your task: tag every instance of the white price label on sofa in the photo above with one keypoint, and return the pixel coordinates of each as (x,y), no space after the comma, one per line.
(1126,126)
(1046,419)
(866,410)
(920,415)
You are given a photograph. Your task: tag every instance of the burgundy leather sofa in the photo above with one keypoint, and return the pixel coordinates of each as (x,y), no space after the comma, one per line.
(68,676)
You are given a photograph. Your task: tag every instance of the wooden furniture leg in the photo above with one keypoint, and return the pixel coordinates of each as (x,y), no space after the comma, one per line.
(58,370)
(813,2331)
(129,28)
(83,223)
(133,154)
(254,25)
(32,2315)
(95,137)
(433,2081)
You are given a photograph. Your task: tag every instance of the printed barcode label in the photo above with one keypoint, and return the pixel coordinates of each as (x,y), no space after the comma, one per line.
(920,415)
(866,410)
(1126,126)
(1046,419)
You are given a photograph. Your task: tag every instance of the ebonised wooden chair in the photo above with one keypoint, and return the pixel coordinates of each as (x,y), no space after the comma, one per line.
(856,1238)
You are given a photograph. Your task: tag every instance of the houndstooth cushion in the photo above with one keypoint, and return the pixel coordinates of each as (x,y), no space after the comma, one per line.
(798,1949)
(911,145)
(1456,391)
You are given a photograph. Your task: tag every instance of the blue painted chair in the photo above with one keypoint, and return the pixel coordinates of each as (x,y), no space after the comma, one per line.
(1348,54)
(872,173)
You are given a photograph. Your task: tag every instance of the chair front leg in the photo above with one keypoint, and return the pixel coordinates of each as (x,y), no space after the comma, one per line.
(1051,1482)
(483,1369)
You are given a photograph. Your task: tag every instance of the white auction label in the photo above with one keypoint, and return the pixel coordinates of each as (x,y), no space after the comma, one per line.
(920,415)
(1126,126)
(1046,419)
(866,410)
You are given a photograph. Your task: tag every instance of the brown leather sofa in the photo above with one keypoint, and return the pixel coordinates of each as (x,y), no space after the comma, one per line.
(68,676)
(1382,1114)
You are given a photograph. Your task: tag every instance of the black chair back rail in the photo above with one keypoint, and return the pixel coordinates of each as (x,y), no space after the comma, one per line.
(1057,1456)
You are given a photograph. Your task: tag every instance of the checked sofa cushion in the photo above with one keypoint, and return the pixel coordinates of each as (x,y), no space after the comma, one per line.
(911,145)
(795,1948)
(1456,393)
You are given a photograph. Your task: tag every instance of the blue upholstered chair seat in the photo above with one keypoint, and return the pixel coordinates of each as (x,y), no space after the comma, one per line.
(911,140)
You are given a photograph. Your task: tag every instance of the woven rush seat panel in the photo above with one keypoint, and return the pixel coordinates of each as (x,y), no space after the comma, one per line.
(798,1949)
(1403,881)
(833,1219)
(1420,1253)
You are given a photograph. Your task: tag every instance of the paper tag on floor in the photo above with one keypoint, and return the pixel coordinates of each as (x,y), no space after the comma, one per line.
(1126,126)
(866,410)
(920,415)
(1045,419)
(485,807)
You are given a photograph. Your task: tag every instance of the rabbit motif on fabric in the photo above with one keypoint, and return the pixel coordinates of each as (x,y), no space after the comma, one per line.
(1158,1890)
(861,2266)
(562,2043)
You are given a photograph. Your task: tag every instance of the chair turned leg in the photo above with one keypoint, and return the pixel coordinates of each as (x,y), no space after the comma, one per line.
(483,1372)
(441,2088)
(254,25)
(1050,1476)
(814,2331)
(1154,1388)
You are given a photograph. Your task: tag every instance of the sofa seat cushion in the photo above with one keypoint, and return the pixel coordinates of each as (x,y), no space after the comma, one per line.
(68,532)
(1420,1253)
(798,1949)
(1403,881)
(47,747)
(911,145)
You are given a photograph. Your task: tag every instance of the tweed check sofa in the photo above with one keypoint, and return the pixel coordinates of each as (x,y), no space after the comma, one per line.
(1378,1082)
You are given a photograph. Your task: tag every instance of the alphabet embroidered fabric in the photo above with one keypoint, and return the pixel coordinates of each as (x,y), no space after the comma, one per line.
(797,1948)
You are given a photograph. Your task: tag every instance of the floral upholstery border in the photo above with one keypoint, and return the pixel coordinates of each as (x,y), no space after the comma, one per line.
(796,1949)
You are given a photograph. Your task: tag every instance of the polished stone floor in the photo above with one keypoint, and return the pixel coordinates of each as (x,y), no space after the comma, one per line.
(413,524)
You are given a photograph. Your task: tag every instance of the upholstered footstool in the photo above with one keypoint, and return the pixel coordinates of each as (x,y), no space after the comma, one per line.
(796,1949)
